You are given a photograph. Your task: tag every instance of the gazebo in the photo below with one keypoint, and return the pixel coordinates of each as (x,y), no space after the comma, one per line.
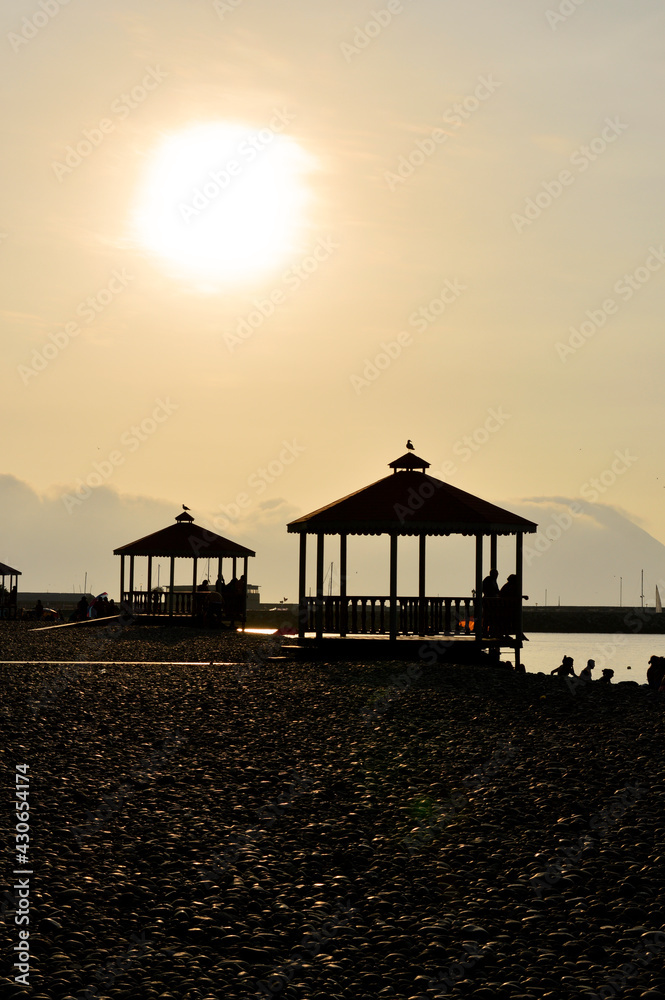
(184,540)
(8,598)
(409,502)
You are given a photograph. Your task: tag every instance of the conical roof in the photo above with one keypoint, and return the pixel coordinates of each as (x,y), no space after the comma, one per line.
(410,502)
(184,540)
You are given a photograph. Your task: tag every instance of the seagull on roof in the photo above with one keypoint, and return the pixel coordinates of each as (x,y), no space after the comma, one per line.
(409,445)
(184,507)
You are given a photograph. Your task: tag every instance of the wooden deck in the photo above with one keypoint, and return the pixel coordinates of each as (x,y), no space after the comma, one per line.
(412,648)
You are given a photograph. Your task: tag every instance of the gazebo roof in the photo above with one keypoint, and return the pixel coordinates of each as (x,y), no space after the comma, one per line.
(409,502)
(184,540)
(8,571)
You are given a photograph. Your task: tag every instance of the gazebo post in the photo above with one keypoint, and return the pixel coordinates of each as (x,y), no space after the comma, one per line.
(244,593)
(131,582)
(319,584)
(343,606)
(234,567)
(478,603)
(302,583)
(393,586)
(149,587)
(122,579)
(519,538)
(193,608)
(219,567)
(493,551)
(422,591)
(171,583)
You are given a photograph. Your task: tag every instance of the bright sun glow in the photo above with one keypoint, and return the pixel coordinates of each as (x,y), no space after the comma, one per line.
(224,201)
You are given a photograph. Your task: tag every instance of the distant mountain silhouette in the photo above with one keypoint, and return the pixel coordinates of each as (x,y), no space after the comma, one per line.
(578,557)
(583,561)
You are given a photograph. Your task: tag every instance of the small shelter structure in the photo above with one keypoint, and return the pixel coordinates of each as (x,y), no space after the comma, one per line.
(8,595)
(185,540)
(411,502)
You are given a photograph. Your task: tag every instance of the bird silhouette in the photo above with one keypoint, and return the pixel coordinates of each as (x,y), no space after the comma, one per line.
(409,445)
(185,507)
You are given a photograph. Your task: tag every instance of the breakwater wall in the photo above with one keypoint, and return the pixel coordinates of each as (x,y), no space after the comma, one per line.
(632,621)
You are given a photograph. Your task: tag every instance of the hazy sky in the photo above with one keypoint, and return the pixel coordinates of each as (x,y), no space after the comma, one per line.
(248,247)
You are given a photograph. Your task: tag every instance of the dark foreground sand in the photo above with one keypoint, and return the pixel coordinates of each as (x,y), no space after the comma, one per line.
(327,831)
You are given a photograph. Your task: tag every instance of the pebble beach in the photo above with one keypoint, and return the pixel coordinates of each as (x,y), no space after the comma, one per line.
(208,820)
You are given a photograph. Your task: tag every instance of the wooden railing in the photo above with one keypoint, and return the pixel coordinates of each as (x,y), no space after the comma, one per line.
(197,605)
(144,603)
(371,615)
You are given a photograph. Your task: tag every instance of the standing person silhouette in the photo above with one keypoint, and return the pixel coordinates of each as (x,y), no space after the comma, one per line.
(510,605)
(491,603)
(490,584)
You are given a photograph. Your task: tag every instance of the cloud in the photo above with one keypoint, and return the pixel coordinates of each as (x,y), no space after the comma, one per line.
(579,555)
(54,545)
(587,553)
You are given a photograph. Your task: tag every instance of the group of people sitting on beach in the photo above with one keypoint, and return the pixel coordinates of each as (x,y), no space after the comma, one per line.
(655,672)
(97,607)
(41,614)
(566,669)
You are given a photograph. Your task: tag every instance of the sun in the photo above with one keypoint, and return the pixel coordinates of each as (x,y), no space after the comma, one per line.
(225,201)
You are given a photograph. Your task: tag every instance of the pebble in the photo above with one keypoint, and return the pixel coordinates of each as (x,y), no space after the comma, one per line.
(272,829)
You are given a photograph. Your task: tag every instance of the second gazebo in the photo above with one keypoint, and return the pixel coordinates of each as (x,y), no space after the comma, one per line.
(183,540)
(407,502)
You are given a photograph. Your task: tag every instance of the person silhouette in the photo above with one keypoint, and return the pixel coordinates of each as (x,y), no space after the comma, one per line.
(511,602)
(490,584)
(491,602)
(565,669)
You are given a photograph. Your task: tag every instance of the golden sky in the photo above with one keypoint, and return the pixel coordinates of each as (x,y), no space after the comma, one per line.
(249,247)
